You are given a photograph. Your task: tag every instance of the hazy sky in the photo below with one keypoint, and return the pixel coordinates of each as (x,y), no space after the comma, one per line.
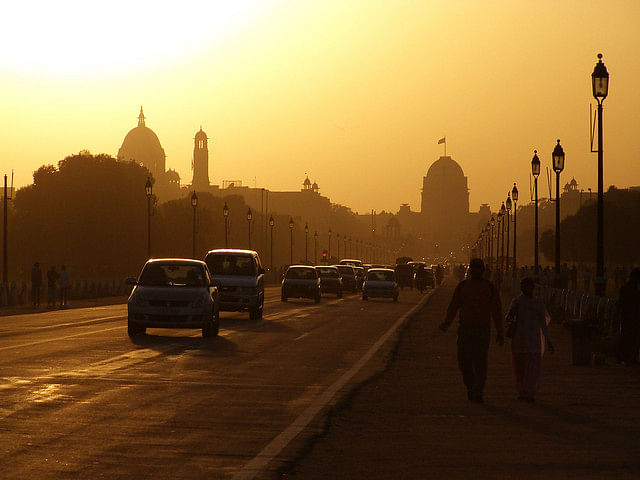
(354,93)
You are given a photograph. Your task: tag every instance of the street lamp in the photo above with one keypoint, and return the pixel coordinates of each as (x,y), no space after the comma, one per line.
(194,204)
(535,170)
(225,214)
(148,189)
(502,215)
(514,196)
(350,245)
(249,217)
(315,247)
(508,205)
(600,86)
(558,166)
(338,236)
(306,243)
(329,244)
(492,223)
(291,240)
(271,224)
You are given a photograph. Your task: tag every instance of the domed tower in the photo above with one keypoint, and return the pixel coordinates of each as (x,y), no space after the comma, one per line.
(445,198)
(200,163)
(141,145)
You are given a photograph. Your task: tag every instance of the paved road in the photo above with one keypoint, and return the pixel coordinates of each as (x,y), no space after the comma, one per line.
(80,399)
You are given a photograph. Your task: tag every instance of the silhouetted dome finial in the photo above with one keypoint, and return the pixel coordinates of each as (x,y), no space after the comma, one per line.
(141,118)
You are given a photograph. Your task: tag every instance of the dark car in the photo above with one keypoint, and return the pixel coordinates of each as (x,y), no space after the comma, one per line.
(173,293)
(380,282)
(424,277)
(404,275)
(301,281)
(240,278)
(330,280)
(348,274)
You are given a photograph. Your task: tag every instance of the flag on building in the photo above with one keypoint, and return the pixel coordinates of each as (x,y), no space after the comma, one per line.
(442,140)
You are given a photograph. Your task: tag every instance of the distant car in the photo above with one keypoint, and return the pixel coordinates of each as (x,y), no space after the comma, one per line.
(360,273)
(380,282)
(348,274)
(301,281)
(173,293)
(240,278)
(424,277)
(330,280)
(349,261)
(404,275)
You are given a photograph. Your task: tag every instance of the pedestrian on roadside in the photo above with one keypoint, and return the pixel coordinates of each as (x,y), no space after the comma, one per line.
(530,317)
(52,280)
(629,308)
(65,285)
(477,300)
(36,285)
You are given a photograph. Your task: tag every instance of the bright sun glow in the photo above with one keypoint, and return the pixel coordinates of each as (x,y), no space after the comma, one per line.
(89,38)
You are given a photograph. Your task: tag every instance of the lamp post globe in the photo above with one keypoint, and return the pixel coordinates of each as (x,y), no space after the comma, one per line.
(600,90)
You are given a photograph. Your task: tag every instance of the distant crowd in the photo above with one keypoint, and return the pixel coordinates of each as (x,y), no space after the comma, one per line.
(58,285)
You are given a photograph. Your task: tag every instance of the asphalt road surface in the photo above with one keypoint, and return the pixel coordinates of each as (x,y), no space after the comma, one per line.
(80,399)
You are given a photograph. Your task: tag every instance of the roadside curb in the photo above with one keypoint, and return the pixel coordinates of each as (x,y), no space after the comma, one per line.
(323,405)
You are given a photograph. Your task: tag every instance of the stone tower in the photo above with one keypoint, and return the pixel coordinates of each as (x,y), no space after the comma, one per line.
(200,163)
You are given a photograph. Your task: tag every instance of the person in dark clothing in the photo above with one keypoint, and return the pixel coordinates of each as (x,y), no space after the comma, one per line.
(52,280)
(477,300)
(629,307)
(36,285)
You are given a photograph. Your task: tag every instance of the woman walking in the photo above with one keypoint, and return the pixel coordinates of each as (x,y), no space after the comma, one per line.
(530,317)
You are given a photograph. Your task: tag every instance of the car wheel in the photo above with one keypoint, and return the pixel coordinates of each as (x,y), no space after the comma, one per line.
(134,330)
(255,313)
(364,297)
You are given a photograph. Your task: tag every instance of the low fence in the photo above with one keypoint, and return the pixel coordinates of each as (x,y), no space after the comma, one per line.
(14,293)
(600,313)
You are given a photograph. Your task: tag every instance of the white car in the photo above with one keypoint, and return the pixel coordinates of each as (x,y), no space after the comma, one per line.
(380,282)
(173,293)
(301,281)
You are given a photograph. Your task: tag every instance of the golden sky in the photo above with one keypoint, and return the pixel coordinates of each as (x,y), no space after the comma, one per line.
(354,93)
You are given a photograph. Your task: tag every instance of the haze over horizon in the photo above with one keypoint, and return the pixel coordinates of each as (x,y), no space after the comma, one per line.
(355,94)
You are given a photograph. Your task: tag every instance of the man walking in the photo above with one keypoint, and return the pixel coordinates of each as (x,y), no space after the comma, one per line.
(36,284)
(65,284)
(478,300)
(52,281)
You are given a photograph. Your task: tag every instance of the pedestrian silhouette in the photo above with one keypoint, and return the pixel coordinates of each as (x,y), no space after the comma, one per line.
(477,300)
(36,284)
(530,317)
(65,285)
(629,308)
(52,280)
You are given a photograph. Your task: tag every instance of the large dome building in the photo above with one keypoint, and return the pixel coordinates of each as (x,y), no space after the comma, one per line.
(445,203)
(141,145)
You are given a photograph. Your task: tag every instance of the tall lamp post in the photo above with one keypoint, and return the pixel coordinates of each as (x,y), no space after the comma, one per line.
(315,247)
(514,196)
(329,245)
(148,190)
(535,170)
(225,214)
(271,224)
(508,204)
(194,204)
(338,237)
(249,217)
(558,166)
(600,86)
(291,241)
(502,215)
(492,223)
(306,243)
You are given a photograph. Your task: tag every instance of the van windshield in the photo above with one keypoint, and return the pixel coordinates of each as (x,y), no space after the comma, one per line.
(238,265)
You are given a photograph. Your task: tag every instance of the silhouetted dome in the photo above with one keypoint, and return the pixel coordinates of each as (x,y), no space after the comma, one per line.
(200,135)
(307,182)
(315,186)
(141,145)
(445,167)
(172,176)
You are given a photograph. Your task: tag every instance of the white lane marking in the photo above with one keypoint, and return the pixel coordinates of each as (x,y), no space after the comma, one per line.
(273,449)
(301,336)
(65,337)
(75,324)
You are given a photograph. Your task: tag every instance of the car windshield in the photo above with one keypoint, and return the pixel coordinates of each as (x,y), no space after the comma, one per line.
(381,276)
(301,274)
(328,272)
(346,270)
(229,264)
(166,275)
